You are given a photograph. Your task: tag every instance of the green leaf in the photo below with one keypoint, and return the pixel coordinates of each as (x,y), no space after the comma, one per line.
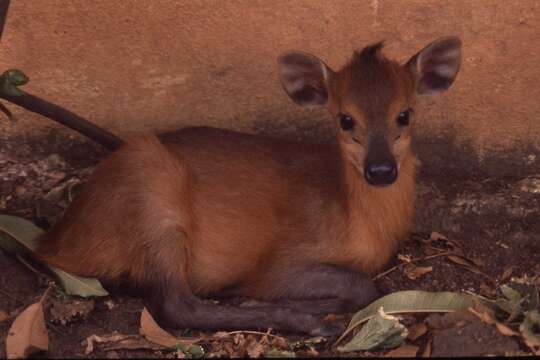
(19,235)
(77,285)
(411,301)
(382,331)
(9,81)
(191,351)
(17,231)
(520,296)
(275,353)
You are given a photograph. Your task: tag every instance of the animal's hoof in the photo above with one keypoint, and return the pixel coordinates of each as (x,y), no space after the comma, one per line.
(328,329)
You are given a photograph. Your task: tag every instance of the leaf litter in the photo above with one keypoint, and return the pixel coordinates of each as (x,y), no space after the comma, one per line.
(28,334)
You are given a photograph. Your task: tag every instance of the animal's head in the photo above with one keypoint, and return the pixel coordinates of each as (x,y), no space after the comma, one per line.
(372,98)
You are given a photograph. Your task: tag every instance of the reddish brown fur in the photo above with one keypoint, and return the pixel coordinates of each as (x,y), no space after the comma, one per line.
(238,209)
(232,213)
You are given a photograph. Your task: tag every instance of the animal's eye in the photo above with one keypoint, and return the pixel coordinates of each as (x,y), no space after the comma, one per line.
(346,122)
(403,118)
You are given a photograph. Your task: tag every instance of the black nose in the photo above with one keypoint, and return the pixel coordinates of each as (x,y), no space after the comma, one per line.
(381,173)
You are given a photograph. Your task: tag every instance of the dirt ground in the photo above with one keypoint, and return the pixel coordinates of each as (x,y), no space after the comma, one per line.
(495,220)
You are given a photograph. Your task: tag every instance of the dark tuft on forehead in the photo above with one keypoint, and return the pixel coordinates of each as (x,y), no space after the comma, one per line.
(372,80)
(369,53)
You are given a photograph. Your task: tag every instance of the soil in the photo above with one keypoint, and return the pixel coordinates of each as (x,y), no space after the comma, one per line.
(495,220)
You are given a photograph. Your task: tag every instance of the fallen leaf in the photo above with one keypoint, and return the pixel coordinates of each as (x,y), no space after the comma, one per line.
(69,310)
(19,235)
(189,351)
(460,260)
(28,334)
(487,290)
(255,349)
(485,314)
(468,264)
(404,258)
(403,351)
(414,272)
(77,285)
(411,301)
(221,335)
(417,330)
(507,273)
(436,236)
(152,332)
(274,353)
(505,330)
(529,328)
(279,342)
(117,341)
(330,317)
(382,331)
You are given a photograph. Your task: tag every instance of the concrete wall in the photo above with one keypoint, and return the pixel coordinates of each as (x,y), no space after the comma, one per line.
(165,64)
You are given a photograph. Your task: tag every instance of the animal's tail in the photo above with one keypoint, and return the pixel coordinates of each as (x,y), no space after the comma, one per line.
(66,118)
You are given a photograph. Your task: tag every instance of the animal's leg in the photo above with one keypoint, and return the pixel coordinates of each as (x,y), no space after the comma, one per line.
(173,305)
(322,289)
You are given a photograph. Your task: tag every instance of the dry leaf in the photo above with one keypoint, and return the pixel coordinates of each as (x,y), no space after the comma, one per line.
(67,311)
(221,335)
(255,349)
(28,333)
(486,290)
(404,258)
(117,341)
(414,272)
(330,317)
(468,264)
(279,343)
(416,331)
(403,351)
(477,261)
(435,236)
(152,332)
(484,314)
(505,330)
(427,350)
(460,260)
(104,339)
(507,273)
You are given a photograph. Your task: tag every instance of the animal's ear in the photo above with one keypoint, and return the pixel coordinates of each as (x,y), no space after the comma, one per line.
(304,77)
(437,65)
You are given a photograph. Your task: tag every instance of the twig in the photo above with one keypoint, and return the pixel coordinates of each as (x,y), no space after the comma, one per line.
(378,276)
(65,117)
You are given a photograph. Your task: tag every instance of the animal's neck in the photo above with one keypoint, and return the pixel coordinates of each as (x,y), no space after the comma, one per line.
(378,218)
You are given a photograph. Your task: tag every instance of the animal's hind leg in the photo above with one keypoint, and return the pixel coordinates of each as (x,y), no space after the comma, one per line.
(322,289)
(173,305)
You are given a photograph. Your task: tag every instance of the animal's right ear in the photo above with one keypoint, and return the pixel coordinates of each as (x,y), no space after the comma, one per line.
(436,66)
(304,77)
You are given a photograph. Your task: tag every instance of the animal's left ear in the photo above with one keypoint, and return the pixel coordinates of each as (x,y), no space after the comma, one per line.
(436,66)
